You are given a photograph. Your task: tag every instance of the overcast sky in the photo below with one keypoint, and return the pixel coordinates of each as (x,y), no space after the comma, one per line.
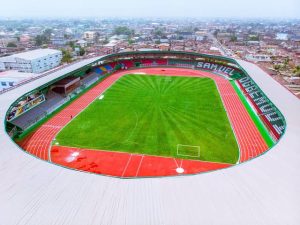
(150,8)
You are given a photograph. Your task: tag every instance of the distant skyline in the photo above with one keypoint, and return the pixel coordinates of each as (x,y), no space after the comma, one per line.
(154,8)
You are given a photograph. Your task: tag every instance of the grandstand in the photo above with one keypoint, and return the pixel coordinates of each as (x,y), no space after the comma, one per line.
(103,69)
(33,116)
(54,99)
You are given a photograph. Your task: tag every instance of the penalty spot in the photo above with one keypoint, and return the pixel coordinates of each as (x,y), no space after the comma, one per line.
(179,170)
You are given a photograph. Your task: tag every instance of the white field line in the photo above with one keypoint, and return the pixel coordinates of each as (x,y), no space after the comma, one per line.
(137,172)
(127,164)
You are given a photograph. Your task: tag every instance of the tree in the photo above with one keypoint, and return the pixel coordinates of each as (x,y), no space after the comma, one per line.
(81,51)
(105,41)
(253,38)
(286,61)
(215,33)
(66,36)
(130,41)
(296,71)
(123,30)
(233,38)
(40,40)
(277,67)
(72,44)
(43,38)
(158,32)
(47,33)
(11,45)
(67,57)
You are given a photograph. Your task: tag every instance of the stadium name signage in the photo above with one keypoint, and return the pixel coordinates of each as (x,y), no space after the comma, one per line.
(266,108)
(216,67)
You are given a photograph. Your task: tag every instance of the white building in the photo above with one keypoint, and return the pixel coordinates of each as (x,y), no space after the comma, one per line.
(11,78)
(90,36)
(282,36)
(36,61)
(201,35)
(258,58)
(2,66)
(82,43)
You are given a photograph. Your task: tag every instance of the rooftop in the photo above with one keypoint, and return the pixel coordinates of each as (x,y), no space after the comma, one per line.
(34,54)
(15,74)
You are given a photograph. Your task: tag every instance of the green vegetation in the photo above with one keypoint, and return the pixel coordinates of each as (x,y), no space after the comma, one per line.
(123,30)
(130,41)
(71,44)
(81,51)
(277,67)
(67,57)
(11,45)
(44,38)
(253,37)
(152,115)
(159,32)
(233,38)
(296,71)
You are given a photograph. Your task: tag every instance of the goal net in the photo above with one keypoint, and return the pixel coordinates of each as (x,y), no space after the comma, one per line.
(188,150)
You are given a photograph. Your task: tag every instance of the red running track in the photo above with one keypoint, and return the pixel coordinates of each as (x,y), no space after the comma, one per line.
(251,143)
(127,165)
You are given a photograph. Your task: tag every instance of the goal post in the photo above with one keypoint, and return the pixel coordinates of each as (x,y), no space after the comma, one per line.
(188,150)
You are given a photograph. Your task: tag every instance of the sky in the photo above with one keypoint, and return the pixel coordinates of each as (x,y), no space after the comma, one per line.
(150,8)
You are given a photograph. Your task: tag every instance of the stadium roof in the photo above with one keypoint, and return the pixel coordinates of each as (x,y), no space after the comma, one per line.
(263,191)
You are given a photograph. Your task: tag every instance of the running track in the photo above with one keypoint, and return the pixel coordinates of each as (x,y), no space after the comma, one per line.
(251,143)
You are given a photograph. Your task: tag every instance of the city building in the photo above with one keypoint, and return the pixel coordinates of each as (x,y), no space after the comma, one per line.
(282,36)
(258,58)
(11,78)
(59,40)
(113,45)
(25,39)
(82,43)
(36,61)
(90,36)
(2,66)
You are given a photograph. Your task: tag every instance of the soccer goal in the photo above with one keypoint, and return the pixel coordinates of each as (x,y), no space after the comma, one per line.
(188,150)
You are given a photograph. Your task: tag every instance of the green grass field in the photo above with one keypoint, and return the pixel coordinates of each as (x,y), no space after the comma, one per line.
(156,115)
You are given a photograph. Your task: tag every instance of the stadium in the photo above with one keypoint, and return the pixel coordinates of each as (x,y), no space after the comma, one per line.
(111,125)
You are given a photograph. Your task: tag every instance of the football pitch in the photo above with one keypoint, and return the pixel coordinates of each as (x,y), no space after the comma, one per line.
(172,116)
